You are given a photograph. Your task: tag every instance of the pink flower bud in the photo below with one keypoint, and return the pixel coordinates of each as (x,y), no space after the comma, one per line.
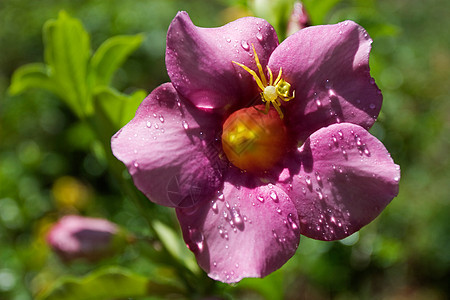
(299,19)
(74,237)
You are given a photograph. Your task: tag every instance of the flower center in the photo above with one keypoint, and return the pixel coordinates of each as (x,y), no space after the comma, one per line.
(271,91)
(253,141)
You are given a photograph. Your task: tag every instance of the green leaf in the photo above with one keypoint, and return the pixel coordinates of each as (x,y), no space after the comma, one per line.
(30,76)
(67,52)
(109,283)
(119,108)
(172,242)
(318,10)
(111,54)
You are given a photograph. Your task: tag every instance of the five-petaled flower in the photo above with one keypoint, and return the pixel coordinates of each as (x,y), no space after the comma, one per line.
(247,178)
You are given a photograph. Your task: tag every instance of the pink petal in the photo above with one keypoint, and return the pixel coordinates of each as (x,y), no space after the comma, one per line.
(199,60)
(328,67)
(171,149)
(248,231)
(346,179)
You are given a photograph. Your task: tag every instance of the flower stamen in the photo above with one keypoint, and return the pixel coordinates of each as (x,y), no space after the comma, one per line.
(271,91)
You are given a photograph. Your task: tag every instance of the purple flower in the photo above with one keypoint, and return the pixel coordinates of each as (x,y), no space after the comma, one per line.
(255,142)
(74,237)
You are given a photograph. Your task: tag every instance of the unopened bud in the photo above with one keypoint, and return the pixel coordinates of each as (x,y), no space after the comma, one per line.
(299,19)
(74,237)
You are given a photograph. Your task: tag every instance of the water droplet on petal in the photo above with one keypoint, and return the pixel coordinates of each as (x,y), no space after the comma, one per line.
(278,210)
(214,207)
(340,134)
(259,36)
(185,125)
(396,179)
(136,165)
(328,84)
(291,222)
(245,45)
(308,182)
(237,219)
(274,196)
(334,139)
(319,179)
(197,237)
(149,124)
(274,234)
(372,106)
(228,40)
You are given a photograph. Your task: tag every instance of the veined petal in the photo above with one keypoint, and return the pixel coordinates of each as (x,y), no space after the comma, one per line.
(347,177)
(328,67)
(199,60)
(246,231)
(171,150)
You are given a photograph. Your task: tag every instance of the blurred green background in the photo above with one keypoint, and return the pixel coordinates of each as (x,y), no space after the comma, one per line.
(51,163)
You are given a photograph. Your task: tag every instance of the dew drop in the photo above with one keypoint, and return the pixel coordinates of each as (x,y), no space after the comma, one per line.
(149,124)
(278,210)
(237,219)
(214,207)
(372,106)
(303,191)
(136,165)
(155,115)
(308,182)
(319,193)
(260,198)
(274,234)
(245,45)
(185,125)
(291,222)
(274,196)
(328,84)
(259,36)
(358,140)
(156,126)
(396,179)
(197,237)
(340,134)
(319,179)
(334,139)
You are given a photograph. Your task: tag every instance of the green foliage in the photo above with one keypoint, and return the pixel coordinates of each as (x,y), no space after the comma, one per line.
(110,56)
(71,73)
(108,283)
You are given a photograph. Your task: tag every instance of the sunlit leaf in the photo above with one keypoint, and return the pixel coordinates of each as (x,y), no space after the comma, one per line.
(109,283)
(173,243)
(119,108)
(67,52)
(32,76)
(111,54)
(318,10)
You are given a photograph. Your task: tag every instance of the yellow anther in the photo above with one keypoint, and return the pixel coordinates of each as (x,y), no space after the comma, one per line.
(271,91)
